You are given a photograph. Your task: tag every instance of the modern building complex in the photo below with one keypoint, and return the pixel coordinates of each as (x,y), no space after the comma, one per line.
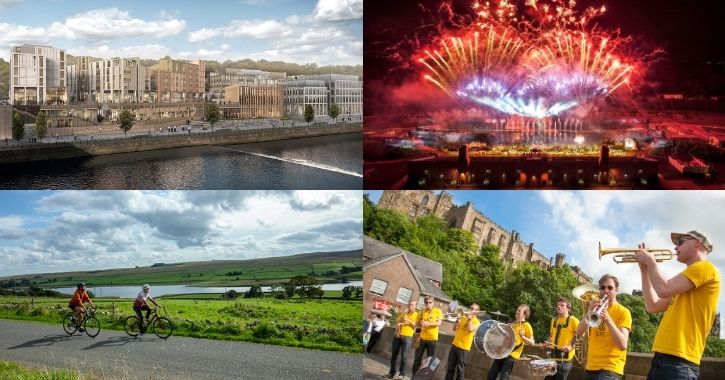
(343,90)
(415,203)
(319,91)
(37,74)
(117,80)
(299,93)
(176,81)
(77,78)
(218,82)
(256,98)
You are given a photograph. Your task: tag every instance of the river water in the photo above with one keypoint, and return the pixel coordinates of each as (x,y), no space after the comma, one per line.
(160,290)
(326,162)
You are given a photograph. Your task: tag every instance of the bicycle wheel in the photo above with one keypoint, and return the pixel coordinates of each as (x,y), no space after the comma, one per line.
(163,327)
(130,325)
(69,324)
(92,326)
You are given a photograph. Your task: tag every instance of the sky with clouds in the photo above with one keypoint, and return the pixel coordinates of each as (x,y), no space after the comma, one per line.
(43,231)
(325,32)
(573,222)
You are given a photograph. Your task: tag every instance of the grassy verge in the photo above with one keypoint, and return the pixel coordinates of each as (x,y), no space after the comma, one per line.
(326,324)
(10,370)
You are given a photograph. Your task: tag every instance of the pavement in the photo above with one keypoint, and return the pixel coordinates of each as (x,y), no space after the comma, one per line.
(115,355)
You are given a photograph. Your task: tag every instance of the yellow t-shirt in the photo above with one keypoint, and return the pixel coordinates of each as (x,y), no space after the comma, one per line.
(464,338)
(688,319)
(567,332)
(406,329)
(519,327)
(430,332)
(602,353)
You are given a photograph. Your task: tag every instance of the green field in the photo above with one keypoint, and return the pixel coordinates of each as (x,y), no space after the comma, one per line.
(325,324)
(10,370)
(326,266)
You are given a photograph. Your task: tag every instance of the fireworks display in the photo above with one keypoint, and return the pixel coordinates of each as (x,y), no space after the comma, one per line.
(535,59)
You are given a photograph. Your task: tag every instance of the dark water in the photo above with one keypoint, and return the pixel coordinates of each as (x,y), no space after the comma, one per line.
(328,162)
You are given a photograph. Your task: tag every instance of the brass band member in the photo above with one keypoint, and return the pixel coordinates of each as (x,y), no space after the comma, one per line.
(465,330)
(429,320)
(607,350)
(689,301)
(561,339)
(404,331)
(524,335)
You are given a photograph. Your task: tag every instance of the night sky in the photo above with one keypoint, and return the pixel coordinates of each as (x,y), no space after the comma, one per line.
(689,31)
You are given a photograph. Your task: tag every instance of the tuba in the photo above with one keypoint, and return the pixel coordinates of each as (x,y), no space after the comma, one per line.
(626,255)
(585,293)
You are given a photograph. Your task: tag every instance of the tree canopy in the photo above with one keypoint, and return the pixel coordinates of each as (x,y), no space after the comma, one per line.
(126,118)
(471,275)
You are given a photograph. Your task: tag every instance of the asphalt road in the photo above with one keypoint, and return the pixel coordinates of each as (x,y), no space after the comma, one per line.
(115,355)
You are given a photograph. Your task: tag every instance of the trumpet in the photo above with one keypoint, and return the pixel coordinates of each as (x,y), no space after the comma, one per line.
(626,255)
(593,318)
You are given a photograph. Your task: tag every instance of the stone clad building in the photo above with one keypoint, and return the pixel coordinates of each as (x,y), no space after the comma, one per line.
(513,250)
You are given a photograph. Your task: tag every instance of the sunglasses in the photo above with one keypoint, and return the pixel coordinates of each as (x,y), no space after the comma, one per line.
(682,240)
(603,287)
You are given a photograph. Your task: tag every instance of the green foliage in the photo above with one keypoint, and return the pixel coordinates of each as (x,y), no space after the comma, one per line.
(126,118)
(309,113)
(311,323)
(41,125)
(10,370)
(231,294)
(18,127)
(4,78)
(644,325)
(211,114)
(306,286)
(255,291)
(333,111)
(715,347)
(349,292)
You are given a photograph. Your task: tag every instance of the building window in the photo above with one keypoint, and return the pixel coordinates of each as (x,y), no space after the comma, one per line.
(378,287)
(404,295)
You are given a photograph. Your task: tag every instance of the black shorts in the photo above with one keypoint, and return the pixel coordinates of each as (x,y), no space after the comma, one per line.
(72,307)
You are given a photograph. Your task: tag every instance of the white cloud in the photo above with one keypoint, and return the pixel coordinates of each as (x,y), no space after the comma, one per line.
(338,10)
(623,219)
(112,23)
(257,29)
(16,34)
(4,4)
(149,51)
(107,229)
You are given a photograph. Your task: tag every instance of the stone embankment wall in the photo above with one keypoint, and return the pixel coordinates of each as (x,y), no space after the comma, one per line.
(42,152)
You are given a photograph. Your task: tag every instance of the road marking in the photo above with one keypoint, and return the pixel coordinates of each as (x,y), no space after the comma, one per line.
(300,162)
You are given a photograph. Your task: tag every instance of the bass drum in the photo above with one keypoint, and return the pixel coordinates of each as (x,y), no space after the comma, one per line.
(495,339)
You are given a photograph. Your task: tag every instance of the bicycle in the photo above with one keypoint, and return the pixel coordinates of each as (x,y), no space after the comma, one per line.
(161,326)
(90,323)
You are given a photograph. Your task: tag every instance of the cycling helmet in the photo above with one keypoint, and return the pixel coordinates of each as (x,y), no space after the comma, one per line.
(81,284)
(146,286)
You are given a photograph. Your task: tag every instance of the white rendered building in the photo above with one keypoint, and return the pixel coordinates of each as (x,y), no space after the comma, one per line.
(117,80)
(37,74)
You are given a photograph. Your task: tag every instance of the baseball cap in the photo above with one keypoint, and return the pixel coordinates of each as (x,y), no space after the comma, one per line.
(697,235)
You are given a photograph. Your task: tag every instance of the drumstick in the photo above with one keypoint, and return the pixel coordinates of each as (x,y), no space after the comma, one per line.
(502,330)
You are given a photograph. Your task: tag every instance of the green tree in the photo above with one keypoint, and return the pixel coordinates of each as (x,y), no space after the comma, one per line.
(212,114)
(644,324)
(126,118)
(41,125)
(333,111)
(255,291)
(305,286)
(18,127)
(714,347)
(309,113)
